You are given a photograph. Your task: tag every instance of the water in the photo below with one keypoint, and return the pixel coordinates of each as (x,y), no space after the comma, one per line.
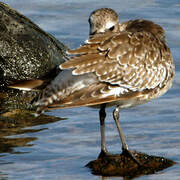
(61,149)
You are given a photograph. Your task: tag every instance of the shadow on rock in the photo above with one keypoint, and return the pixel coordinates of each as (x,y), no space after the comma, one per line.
(124,166)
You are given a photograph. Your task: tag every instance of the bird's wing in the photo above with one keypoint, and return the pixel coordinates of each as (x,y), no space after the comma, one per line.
(129,67)
(28,85)
(133,60)
(95,95)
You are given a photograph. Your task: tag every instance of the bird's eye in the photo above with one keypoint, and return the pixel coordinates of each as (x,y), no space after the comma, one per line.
(111,28)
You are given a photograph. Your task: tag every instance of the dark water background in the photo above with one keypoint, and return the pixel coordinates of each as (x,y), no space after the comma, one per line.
(59,150)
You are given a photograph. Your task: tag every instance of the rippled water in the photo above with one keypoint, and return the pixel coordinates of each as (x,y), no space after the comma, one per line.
(59,150)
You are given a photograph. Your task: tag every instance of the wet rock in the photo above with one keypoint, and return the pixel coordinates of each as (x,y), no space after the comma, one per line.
(123,165)
(27,52)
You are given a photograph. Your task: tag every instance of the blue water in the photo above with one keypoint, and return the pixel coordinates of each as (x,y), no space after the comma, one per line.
(60,150)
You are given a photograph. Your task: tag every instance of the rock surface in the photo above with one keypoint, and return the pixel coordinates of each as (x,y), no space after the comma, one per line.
(27,52)
(124,166)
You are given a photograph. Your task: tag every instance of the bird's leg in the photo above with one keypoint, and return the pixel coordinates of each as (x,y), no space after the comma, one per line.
(102,116)
(116,118)
(125,148)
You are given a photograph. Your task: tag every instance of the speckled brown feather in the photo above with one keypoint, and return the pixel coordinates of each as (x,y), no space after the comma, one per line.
(93,96)
(135,64)
(137,58)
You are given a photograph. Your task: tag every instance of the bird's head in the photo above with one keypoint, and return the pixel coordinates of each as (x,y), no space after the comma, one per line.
(103,20)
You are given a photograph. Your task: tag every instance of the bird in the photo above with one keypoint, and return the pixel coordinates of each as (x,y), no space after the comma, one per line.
(120,65)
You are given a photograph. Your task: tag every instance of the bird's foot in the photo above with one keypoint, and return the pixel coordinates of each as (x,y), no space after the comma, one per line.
(132,156)
(104,153)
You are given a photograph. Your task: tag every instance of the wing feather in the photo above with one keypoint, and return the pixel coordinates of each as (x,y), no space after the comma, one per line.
(93,95)
(129,59)
(131,65)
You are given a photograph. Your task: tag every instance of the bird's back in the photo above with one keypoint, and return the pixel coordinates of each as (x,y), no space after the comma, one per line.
(131,66)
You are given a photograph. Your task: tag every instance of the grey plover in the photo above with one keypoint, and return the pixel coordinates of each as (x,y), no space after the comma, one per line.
(121,64)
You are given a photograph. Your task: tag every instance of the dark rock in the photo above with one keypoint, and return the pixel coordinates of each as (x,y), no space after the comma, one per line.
(123,165)
(27,52)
